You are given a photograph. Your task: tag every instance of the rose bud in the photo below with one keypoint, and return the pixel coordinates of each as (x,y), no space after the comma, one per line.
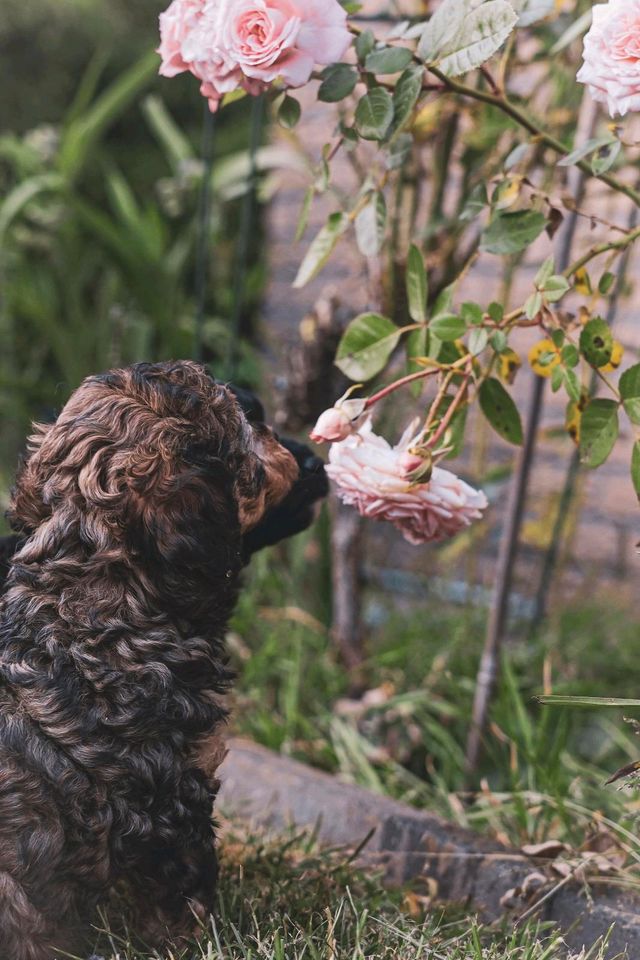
(333,425)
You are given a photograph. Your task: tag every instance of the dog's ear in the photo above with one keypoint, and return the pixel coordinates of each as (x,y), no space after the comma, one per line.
(183,517)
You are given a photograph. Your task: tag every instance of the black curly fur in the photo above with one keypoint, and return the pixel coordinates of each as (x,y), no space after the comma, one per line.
(134,511)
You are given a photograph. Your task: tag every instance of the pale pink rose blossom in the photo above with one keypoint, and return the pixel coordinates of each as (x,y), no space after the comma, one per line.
(176,24)
(373,477)
(332,425)
(611,67)
(229,44)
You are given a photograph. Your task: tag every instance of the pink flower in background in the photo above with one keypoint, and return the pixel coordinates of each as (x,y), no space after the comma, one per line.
(250,43)
(373,477)
(611,67)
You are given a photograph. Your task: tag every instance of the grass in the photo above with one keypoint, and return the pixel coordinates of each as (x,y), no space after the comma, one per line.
(544,768)
(287,900)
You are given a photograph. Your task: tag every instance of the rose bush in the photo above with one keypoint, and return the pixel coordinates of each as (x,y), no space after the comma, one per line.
(450,172)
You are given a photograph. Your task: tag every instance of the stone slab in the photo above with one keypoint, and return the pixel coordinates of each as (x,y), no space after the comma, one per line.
(275,792)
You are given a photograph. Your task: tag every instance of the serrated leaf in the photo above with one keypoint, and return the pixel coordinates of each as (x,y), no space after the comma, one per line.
(406,93)
(531,11)
(590,146)
(374,114)
(289,112)
(500,410)
(399,150)
(321,248)
(388,60)
(366,346)
(442,28)
(338,81)
(365,42)
(416,282)
(512,232)
(596,342)
(303,220)
(630,392)
(598,431)
(371,223)
(555,288)
(605,157)
(545,271)
(483,31)
(572,385)
(606,283)
(478,339)
(447,327)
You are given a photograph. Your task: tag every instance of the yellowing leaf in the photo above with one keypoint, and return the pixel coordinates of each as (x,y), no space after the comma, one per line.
(573,421)
(616,358)
(427,120)
(583,282)
(543,357)
(510,363)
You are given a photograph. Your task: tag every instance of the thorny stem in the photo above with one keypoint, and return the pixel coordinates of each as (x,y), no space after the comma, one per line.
(503,103)
(411,378)
(448,417)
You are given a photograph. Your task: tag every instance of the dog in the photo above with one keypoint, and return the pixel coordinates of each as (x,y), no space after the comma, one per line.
(134,515)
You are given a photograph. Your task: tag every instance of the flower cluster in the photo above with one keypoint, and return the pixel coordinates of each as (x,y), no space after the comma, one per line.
(611,67)
(376,479)
(248,44)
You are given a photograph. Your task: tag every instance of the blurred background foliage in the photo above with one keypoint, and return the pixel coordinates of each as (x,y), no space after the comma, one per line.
(100,179)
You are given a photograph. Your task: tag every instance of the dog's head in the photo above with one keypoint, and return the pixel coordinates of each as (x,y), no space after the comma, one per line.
(157,458)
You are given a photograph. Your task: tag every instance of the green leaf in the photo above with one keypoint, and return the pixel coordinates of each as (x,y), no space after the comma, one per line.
(399,149)
(501,411)
(417,289)
(598,431)
(630,392)
(366,346)
(511,232)
(596,342)
(388,60)
(555,288)
(447,327)
(570,355)
(590,146)
(543,274)
(374,114)
(605,157)
(289,112)
(607,281)
(365,42)
(338,81)
(481,33)
(572,385)
(406,93)
(635,467)
(321,248)
(305,211)
(471,313)
(478,339)
(371,223)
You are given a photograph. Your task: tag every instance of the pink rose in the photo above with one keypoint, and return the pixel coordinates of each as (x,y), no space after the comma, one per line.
(372,476)
(250,43)
(176,23)
(332,425)
(611,67)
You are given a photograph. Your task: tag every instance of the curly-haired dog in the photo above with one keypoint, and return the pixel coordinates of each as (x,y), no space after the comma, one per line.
(135,512)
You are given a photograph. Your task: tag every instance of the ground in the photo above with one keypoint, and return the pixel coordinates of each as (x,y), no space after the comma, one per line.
(285,900)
